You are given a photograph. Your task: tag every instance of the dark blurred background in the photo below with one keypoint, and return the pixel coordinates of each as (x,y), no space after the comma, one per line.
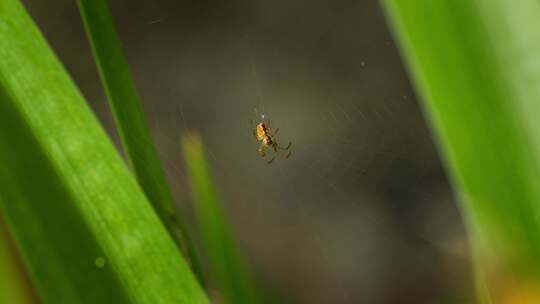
(362,212)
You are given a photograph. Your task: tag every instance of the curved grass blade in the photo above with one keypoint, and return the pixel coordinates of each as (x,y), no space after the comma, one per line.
(477,66)
(130,120)
(86,232)
(225,266)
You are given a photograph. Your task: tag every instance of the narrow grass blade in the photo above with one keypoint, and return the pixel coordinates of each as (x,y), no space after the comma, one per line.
(226,268)
(85,229)
(129,117)
(476,63)
(14,287)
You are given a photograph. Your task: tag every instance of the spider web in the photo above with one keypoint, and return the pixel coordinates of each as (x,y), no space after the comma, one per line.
(361,212)
(344,216)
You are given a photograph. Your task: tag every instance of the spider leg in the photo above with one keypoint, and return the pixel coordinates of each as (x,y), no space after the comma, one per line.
(279,149)
(288,154)
(275,131)
(285,148)
(262,151)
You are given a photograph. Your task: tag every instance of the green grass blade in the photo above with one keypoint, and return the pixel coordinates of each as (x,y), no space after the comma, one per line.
(85,229)
(226,267)
(127,110)
(14,288)
(476,65)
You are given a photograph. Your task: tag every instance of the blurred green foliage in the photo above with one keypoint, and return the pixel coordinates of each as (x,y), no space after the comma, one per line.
(225,266)
(476,65)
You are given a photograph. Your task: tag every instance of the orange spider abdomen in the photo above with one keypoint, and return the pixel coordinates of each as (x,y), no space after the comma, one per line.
(262,131)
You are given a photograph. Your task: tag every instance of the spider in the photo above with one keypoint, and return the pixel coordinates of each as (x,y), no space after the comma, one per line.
(264,134)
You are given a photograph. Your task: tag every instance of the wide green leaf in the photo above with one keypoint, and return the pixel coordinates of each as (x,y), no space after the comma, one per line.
(85,229)
(476,65)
